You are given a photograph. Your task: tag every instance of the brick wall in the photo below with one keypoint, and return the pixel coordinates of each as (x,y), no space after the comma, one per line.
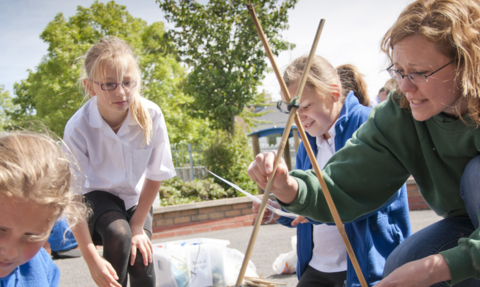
(202,217)
(415,198)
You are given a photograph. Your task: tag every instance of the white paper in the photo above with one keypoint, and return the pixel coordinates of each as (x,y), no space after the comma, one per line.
(256,199)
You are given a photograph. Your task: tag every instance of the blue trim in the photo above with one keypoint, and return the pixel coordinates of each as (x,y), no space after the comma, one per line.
(270,131)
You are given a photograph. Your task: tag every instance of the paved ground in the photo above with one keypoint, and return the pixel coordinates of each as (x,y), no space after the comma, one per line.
(272,240)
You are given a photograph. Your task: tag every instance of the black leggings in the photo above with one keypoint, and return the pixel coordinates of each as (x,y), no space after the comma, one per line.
(116,235)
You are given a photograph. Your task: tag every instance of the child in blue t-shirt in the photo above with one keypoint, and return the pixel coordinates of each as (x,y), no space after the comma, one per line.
(34,193)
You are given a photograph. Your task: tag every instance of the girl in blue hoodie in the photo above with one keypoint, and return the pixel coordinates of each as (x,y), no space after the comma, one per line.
(333,106)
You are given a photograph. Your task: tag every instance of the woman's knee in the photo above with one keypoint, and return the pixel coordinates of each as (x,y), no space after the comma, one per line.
(138,269)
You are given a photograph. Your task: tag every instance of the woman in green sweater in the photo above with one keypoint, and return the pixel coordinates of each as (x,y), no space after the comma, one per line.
(427,128)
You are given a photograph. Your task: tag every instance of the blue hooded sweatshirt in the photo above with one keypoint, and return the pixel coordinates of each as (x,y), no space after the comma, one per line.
(373,236)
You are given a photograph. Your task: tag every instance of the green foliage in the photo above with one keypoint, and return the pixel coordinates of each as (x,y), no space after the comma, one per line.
(175,191)
(220,44)
(6,104)
(229,156)
(52,95)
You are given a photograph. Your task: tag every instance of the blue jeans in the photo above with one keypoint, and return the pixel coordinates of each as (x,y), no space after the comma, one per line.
(445,233)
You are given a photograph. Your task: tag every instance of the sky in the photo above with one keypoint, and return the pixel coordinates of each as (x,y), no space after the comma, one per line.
(352,34)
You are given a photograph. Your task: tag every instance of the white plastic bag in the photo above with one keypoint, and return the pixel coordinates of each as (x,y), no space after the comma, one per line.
(286,263)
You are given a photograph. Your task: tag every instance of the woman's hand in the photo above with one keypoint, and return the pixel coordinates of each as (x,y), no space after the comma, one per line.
(268,215)
(420,273)
(284,186)
(141,242)
(103,273)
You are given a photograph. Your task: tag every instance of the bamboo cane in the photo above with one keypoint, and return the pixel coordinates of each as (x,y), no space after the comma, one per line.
(328,197)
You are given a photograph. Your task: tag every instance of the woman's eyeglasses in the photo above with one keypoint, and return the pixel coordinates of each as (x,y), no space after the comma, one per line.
(416,78)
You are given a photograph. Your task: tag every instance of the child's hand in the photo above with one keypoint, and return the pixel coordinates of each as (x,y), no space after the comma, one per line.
(141,242)
(284,186)
(299,219)
(268,215)
(103,273)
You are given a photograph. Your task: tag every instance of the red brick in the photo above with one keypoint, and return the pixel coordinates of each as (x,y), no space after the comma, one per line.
(413,200)
(414,193)
(184,232)
(199,217)
(218,227)
(248,223)
(165,234)
(235,225)
(201,229)
(208,223)
(189,212)
(226,220)
(232,213)
(242,206)
(223,207)
(192,224)
(181,219)
(157,216)
(216,215)
(207,210)
(175,226)
(242,218)
(159,229)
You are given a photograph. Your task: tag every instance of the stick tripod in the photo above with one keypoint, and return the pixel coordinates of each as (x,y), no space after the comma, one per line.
(293,115)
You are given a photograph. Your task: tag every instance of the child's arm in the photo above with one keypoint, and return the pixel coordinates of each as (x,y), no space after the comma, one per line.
(139,239)
(101,270)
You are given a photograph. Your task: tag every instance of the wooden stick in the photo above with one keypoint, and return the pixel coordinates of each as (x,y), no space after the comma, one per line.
(311,155)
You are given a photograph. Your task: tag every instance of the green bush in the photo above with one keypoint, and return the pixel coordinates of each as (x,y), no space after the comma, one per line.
(229,156)
(176,191)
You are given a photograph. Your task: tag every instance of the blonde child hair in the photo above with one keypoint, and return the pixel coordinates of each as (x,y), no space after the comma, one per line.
(321,77)
(34,168)
(453,26)
(119,55)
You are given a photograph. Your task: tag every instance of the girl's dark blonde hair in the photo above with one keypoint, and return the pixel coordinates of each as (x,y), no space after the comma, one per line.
(34,168)
(119,55)
(454,27)
(321,77)
(352,80)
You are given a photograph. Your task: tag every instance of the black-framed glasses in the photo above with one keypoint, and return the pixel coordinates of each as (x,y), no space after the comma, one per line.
(128,85)
(416,78)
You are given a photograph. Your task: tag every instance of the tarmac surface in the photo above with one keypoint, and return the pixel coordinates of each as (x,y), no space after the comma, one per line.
(272,240)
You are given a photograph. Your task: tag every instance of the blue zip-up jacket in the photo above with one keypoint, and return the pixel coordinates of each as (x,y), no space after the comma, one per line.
(40,271)
(373,236)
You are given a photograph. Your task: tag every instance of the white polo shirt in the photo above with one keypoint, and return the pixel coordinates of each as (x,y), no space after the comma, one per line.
(117,163)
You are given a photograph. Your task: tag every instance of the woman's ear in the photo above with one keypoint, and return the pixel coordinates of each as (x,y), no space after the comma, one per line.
(336,93)
(88,86)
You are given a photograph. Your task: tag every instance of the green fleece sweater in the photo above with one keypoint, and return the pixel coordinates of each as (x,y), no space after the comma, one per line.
(377,161)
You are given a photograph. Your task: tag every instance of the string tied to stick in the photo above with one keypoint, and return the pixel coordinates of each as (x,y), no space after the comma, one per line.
(285,108)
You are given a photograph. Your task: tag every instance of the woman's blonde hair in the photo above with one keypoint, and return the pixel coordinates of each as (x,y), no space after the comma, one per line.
(119,55)
(352,80)
(34,168)
(321,77)
(454,27)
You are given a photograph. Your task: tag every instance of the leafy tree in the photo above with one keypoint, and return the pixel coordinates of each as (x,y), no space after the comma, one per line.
(228,156)
(52,93)
(6,104)
(227,59)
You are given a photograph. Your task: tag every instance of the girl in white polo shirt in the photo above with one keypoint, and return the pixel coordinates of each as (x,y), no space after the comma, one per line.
(121,154)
